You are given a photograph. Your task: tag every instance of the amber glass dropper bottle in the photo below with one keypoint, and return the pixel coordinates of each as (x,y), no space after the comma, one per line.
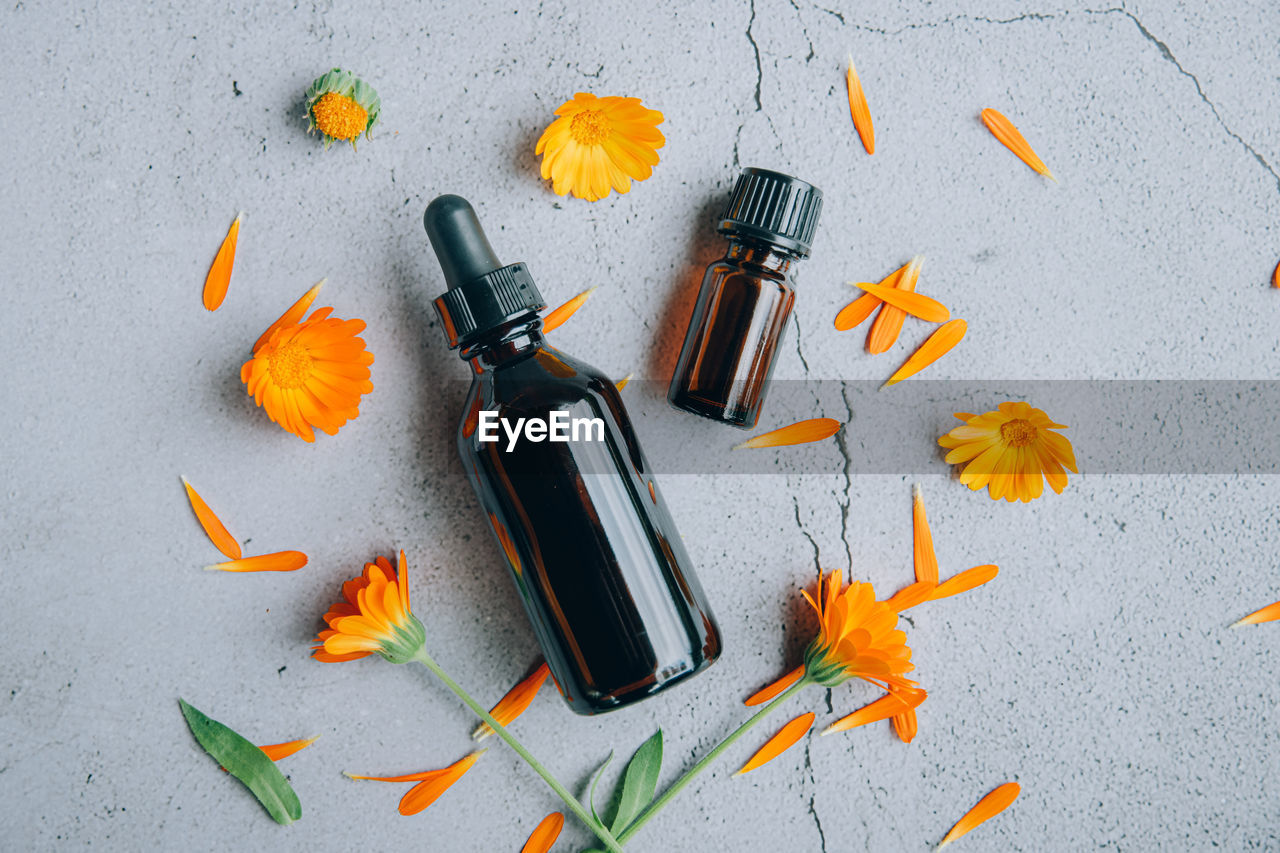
(745,300)
(592,548)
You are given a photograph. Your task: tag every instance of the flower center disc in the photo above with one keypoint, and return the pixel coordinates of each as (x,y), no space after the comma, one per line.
(1018,433)
(290,365)
(340,116)
(589,127)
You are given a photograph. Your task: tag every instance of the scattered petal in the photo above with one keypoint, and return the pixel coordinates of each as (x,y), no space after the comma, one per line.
(909,596)
(544,834)
(291,317)
(988,807)
(622,383)
(888,705)
(219,277)
(1275,277)
(1270,613)
(859,110)
(213,526)
(857,311)
(1002,129)
(429,790)
(555,319)
(905,726)
(764,694)
(926,561)
(804,432)
(965,581)
(915,304)
(281,561)
(277,751)
(779,743)
(885,329)
(941,342)
(515,703)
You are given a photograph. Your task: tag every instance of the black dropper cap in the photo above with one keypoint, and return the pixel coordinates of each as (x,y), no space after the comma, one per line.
(483,294)
(773,207)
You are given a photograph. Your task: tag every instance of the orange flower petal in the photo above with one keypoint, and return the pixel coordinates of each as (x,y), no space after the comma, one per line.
(941,342)
(1002,129)
(814,429)
(888,705)
(965,581)
(905,726)
(292,316)
(556,318)
(926,562)
(915,304)
(909,596)
(213,526)
(857,311)
(988,807)
(622,383)
(281,561)
(885,329)
(779,743)
(1270,613)
(428,791)
(1275,277)
(859,110)
(277,751)
(764,694)
(219,277)
(515,703)
(544,834)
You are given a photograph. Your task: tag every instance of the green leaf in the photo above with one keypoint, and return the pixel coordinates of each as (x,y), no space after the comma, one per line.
(639,783)
(247,763)
(591,796)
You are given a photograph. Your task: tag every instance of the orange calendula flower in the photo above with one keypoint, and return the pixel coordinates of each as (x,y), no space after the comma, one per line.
(857,637)
(1270,613)
(431,783)
(311,374)
(1011,451)
(555,319)
(600,144)
(858,108)
(926,561)
(219,277)
(786,738)
(1002,129)
(941,342)
(804,432)
(988,807)
(515,703)
(213,526)
(373,616)
(342,106)
(280,561)
(544,834)
(888,324)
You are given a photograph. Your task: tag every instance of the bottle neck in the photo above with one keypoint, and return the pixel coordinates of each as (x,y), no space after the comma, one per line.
(761,255)
(504,344)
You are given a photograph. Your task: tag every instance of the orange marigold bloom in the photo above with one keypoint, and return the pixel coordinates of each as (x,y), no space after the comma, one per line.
(857,638)
(600,144)
(311,374)
(1011,451)
(373,616)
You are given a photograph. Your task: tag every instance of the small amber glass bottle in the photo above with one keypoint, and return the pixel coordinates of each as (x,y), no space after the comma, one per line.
(746,298)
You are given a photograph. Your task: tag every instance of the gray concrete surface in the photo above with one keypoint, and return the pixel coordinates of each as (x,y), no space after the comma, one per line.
(1097,671)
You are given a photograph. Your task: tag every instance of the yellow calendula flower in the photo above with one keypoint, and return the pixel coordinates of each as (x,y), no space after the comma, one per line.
(342,106)
(600,144)
(1011,452)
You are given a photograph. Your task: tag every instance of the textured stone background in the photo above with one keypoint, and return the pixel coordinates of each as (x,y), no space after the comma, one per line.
(1098,670)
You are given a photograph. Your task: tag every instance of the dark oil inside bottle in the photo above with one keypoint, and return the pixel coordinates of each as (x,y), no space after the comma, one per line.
(731,347)
(593,550)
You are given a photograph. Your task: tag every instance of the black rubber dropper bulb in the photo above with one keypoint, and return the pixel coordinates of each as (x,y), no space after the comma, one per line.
(483,294)
(459,241)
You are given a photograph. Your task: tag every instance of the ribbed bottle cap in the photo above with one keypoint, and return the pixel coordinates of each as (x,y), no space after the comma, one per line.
(774,207)
(482,293)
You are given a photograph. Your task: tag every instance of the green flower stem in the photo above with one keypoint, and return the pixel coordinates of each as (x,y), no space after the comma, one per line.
(569,799)
(677,786)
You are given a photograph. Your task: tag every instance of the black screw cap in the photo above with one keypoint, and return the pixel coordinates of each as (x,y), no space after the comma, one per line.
(773,207)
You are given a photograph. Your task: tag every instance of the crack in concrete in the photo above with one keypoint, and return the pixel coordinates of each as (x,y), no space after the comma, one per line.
(817,554)
(803,29)
(759,68)
(842,442)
